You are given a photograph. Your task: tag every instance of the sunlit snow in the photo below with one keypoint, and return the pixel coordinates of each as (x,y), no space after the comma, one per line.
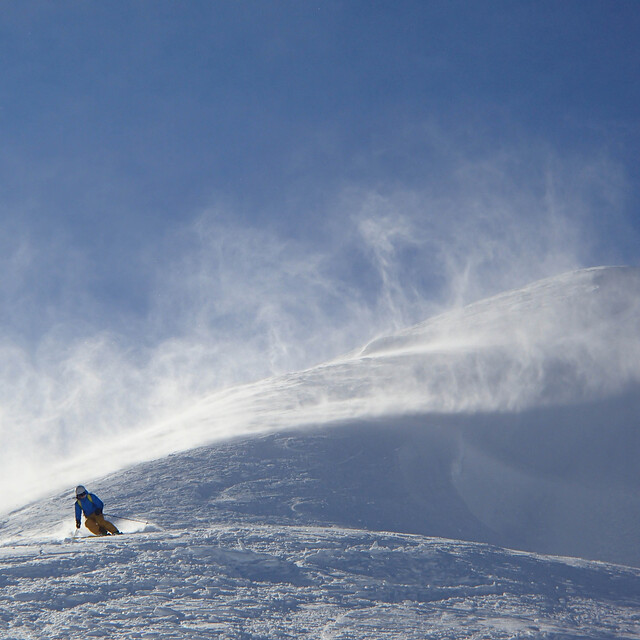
(407,490)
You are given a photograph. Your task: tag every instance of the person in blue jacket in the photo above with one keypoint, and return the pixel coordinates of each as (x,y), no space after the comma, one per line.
(91,506)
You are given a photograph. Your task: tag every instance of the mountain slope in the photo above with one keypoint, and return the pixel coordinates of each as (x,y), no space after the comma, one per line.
(259,582)
(512,422)
(241,542)
(564,341)
(558,481)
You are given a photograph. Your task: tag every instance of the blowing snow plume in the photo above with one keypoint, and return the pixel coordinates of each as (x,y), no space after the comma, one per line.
(560,341)
(95,352)
(512,420)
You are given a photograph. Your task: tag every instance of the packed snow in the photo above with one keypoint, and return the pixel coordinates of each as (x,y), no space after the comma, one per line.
(472,477)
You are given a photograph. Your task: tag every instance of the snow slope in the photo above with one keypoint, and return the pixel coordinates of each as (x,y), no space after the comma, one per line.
(260,582)
(374,496)
(241,544)
(522,409)
(566,341)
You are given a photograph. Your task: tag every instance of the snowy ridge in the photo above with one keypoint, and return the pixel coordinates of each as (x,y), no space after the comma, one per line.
(565,341)
(550,310)
(556,331)
(560,342)
(354,502)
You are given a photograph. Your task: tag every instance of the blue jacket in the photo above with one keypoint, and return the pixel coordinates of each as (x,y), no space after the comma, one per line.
(88,505)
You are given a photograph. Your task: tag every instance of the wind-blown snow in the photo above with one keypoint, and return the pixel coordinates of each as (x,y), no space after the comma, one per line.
(359,498)
(564,340)
(568,341)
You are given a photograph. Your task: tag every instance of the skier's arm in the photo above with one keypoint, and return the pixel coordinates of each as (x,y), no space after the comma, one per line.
(78,514)
(97,503)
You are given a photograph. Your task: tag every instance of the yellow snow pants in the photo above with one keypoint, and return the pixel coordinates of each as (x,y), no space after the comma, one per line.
(98,525)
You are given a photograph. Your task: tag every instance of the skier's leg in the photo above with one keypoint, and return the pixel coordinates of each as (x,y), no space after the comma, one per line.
(109,526)
(92,525)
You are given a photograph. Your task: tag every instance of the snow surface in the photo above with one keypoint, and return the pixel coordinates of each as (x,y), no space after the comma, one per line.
(377,496)
(258,582)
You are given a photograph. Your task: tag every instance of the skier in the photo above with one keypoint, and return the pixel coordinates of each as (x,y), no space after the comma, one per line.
(91,506)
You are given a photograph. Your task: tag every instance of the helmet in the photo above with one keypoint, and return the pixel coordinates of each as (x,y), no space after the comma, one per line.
(80,490)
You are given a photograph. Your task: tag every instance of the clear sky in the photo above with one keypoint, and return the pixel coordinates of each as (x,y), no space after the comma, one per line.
(209,192)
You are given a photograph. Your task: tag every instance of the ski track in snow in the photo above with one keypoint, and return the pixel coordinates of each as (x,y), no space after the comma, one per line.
(264,582)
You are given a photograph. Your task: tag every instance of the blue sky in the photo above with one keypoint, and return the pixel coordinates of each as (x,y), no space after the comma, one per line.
(211,192)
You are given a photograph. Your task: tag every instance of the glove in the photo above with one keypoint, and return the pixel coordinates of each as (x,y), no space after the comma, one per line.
(77,524)
(98,512)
